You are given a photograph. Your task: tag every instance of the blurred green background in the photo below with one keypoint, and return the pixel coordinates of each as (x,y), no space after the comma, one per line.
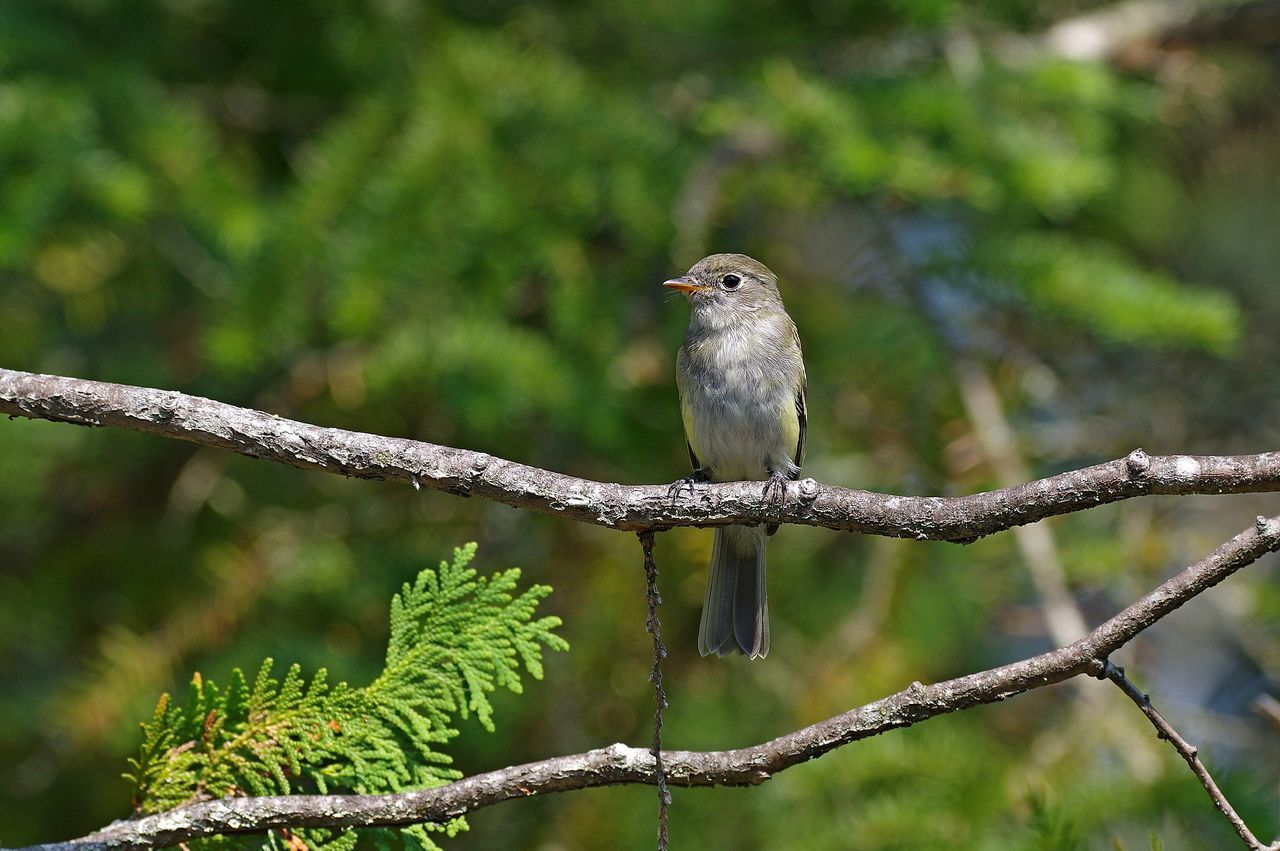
(1017,238)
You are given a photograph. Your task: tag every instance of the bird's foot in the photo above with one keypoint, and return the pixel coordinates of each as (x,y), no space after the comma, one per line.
(775,490)
(699,476)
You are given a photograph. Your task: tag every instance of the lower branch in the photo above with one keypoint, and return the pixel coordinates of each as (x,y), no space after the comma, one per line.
(619,764)
(1188,752)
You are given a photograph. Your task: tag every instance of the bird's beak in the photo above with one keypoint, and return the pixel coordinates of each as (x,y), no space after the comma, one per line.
(684,285)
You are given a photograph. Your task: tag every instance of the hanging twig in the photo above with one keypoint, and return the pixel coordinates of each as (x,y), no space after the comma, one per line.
(655,676)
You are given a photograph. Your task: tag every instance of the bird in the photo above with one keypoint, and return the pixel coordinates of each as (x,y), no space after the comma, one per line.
(741,380)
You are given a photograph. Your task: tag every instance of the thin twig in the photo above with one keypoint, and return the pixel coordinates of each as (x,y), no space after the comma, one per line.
(747,766)
(654,628)
(1189,752)
(1036,543)
(630,507)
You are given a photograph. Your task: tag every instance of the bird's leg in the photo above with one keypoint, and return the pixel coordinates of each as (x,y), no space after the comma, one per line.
(700,475)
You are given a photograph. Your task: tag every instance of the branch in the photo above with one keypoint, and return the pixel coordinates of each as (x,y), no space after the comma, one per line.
(1134,31)
(618,764)
(1190,753)
(1104,32)
(629,507)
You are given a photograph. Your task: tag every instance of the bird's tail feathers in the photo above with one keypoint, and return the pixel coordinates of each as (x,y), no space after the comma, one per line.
(735,616)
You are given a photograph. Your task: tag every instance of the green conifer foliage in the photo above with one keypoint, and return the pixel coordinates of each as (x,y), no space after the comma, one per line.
(455,637)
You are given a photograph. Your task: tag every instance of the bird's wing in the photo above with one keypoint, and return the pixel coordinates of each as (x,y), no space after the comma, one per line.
(686,412)
(804,426)
(801,408)
(693,459)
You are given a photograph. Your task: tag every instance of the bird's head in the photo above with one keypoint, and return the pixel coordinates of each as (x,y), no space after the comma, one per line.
(726,288)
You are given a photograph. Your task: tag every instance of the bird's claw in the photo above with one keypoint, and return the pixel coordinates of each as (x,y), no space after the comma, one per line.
(697,477)
(673,492)
(775,490)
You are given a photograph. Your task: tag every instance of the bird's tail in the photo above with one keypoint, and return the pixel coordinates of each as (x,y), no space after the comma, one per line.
(735,617)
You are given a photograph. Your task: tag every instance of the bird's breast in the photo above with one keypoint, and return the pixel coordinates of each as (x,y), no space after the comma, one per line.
(736,396)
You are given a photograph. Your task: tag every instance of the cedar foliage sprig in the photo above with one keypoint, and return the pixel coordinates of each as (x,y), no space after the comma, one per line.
(456,636)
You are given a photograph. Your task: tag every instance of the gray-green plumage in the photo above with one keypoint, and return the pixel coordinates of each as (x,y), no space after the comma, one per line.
(742,383)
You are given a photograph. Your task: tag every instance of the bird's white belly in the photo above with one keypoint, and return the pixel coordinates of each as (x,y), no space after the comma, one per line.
(739,432)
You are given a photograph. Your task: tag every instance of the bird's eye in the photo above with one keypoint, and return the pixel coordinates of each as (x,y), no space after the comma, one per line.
(731,282)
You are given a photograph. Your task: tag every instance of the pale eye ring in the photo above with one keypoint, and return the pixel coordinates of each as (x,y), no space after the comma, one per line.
(731,282)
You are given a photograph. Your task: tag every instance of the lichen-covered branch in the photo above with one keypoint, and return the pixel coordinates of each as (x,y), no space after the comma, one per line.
(619,764)
(629,507)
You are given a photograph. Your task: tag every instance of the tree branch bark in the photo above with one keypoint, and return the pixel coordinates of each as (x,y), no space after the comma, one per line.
(619,764)
(629,507)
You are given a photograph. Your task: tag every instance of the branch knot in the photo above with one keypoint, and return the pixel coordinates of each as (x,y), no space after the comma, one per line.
(808,490)
(1138,462)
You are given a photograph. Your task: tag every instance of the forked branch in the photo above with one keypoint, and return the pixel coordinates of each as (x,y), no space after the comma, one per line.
(618,764)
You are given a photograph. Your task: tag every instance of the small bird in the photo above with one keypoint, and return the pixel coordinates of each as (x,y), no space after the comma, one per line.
(742,384)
